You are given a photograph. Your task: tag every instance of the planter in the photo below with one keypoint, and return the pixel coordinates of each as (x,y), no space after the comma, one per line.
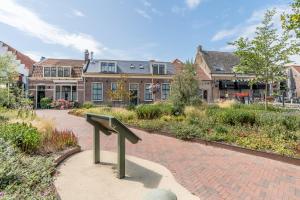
(66,154)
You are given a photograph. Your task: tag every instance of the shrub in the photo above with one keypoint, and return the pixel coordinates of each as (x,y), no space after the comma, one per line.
(58,140)
(3,119)
(24,136)
(148,111)
(151,125)
(45,103)
(186,131)
(88,105)
(165,107)
(130,107)
(24,177)
(235,117)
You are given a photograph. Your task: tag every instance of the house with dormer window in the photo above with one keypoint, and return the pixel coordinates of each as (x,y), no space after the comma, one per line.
(147,81)
(56,79)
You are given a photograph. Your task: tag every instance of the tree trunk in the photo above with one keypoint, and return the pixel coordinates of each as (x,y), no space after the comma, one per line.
(266,92)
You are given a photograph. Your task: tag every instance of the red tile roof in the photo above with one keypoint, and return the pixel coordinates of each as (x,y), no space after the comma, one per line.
(27,61)
(60,62)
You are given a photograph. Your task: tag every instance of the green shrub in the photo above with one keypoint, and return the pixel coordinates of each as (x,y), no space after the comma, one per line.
(24,177)
(235,117)
(148,111)
(130,107)
(88,105)
(3,119)
(24,136)
(166,108)
(45,102)
(151,125)
(187,131)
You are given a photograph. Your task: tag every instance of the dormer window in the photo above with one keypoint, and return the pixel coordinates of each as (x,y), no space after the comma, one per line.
(57,71)
(159,69)
(108,67)
(141,67)
(131,66)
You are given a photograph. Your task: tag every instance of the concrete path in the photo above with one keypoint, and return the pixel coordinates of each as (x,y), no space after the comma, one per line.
(207,172)
(80,179)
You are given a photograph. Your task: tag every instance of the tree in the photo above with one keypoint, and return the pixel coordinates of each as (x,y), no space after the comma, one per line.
(266,54)
(291,22)
(8,75)
(120,93)
(185,86)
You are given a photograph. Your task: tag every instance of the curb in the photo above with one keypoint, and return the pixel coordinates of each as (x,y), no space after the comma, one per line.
(66,154)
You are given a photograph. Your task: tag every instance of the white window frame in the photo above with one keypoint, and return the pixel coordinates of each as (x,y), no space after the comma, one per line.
(56,76)
(145,93)
(100,66)
(92,92)
(165,68)
(44,72)
(161,92)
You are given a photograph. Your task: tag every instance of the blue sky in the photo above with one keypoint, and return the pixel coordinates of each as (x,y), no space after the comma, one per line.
(129,29)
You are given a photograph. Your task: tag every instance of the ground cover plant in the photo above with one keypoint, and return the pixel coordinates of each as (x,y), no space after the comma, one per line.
(27,147)
(251,126)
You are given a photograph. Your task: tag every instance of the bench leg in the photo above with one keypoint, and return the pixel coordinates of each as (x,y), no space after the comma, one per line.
(121,156)
(96,145)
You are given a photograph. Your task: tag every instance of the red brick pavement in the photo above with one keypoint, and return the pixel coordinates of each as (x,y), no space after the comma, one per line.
(208,172)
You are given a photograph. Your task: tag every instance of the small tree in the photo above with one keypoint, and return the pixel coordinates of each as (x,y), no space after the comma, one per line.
(121,93)
(8,74)
(291,22)
(185,86)
(266,54)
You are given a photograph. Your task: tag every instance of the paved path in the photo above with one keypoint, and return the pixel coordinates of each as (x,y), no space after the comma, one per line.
(208,172)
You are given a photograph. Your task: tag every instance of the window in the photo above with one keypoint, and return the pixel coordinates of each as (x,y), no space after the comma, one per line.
(114,86)
(108,67)
(47,72)
(60,72)
(57,92)
(97,91)
(165,91)
(118,95)
(148,92)
(74,93)
(53,71)
(158,69)
(67,72)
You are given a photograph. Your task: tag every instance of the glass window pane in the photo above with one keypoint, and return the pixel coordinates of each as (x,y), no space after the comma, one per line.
(46,71)
(53,71)
(66,72)
(148,92)
(60,72)
(74,93)
(161,69)
(57,92)
(155,68)
(97,91)
(165,91)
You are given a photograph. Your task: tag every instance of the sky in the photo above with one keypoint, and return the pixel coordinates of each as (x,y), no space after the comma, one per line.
(129,29)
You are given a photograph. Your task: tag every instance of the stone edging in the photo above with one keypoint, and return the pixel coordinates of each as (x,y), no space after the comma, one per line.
(66,154)
(269,155)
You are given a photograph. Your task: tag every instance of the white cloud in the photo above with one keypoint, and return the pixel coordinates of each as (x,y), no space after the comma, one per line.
(143,13)
(247,28)
(78,13)
(33,55)
(23,19)
(192,3)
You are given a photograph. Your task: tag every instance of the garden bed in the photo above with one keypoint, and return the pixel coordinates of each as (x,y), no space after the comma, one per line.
(250,127)
(33,147)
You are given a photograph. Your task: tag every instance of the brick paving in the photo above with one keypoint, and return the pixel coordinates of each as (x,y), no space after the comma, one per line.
(208,172)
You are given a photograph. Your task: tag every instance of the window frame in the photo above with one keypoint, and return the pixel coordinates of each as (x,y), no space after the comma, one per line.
(44,69)
(145,92)
(161,93)
(92,94)
(107,67)
(158,68)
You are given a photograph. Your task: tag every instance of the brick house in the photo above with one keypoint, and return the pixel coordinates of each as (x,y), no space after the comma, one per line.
(57,79)
(293,81)
(24,64)
(218,80)
(147,81)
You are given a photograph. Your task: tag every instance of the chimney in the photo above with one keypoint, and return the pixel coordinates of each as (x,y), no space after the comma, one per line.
(199,48)
(86,56)
(92,55)
(42,58)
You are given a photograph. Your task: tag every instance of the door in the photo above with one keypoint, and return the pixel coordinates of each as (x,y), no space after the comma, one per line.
(40,94)
(66,93)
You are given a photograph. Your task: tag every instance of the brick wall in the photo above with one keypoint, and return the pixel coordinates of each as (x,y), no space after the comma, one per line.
(107,86)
